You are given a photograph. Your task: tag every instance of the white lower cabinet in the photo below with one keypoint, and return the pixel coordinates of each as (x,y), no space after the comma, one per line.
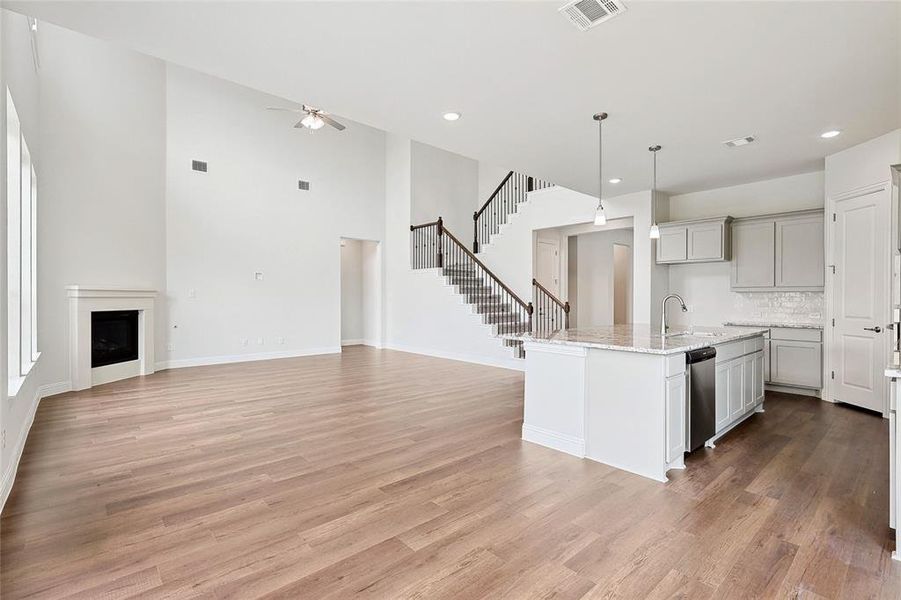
(722,395)
(739,386)
(736,385)
(675,417)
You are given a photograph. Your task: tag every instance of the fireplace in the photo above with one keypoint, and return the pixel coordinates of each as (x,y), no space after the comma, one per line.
(114,337)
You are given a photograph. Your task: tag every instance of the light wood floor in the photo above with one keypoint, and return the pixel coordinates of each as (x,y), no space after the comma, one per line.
(389,475)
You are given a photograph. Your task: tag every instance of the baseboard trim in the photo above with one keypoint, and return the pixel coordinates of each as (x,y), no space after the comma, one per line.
(787,389)
(353,342)
(554,440)
(9,476)
(239,358)
(511,363)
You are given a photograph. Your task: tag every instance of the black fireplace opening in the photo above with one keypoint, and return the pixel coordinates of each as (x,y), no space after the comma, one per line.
(114,337)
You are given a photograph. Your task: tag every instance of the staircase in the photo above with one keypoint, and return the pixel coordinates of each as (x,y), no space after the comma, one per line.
(433,246)
(503,203)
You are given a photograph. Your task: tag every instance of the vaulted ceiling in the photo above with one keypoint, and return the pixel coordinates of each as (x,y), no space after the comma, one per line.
(686,75)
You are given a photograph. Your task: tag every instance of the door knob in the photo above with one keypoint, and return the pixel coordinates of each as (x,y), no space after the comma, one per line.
(876,329)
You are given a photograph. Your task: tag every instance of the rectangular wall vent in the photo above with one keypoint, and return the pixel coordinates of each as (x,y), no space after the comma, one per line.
(198,165)
(742,141)
(303,185)
(585,14)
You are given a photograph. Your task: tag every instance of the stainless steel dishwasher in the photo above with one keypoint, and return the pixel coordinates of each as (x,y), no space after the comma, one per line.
(701,405)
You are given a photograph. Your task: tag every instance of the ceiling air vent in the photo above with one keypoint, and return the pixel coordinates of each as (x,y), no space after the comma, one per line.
(585,14)
(742,141)
(303,185)
(198,165)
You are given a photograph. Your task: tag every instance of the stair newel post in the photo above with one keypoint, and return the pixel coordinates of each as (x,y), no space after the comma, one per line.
(566,314)
(530,309)
(475,232)
(440,243)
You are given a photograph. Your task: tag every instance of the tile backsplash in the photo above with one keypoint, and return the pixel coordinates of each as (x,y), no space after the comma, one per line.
(779,306)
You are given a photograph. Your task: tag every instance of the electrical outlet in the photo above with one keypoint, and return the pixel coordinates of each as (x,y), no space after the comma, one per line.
(192,293)
(244,341)
(169,347)
(258,275)
(280,340)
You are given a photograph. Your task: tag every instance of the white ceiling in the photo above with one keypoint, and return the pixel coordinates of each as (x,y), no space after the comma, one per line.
(686,75)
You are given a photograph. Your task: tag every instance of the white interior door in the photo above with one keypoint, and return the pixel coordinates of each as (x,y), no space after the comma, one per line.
(859,296)
(547,271)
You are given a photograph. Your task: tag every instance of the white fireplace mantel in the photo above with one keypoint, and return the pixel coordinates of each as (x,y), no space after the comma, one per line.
(85,299)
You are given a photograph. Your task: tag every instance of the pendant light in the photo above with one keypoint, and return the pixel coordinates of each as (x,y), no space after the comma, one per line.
(600,217)
(654,233)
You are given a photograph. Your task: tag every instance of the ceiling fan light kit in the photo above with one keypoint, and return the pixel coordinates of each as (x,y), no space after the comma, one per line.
(313,119)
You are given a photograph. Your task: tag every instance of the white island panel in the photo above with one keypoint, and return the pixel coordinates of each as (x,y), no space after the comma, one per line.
(554,412)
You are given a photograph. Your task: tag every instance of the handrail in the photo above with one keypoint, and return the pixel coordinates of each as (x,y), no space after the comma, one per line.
(560,303)
(421,225)
(526,305)
(493,194)
(551,312)
(503,202)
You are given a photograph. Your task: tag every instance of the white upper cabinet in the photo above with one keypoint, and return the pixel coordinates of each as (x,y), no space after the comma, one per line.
(779,252)
(672,245)
(707,240)
(799,252)
(753,254)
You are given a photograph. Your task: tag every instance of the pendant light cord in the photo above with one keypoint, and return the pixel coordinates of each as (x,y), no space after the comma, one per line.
(654,150)
(600,163)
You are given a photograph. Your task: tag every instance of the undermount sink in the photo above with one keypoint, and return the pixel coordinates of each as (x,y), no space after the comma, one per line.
(710,334)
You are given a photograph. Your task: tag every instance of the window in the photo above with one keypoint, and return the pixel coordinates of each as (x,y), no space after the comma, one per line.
(21,182)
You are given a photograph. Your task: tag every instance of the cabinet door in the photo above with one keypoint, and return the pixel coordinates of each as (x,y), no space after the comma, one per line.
(753,254)
(722,396)
(759,368)
(796,363)
(747,387)
(672,245)
(736,383)
(705,241)
(799,252)
(675,417)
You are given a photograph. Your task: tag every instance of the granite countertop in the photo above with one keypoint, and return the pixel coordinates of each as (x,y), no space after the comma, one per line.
(763,323)
(642,338)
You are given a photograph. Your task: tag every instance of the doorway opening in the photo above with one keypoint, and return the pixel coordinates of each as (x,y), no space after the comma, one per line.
(361,293)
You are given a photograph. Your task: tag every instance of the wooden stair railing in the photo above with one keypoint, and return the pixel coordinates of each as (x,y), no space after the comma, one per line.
(551,313)
(503,202)
(433,246)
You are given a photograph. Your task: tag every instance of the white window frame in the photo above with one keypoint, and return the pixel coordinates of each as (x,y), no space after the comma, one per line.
(21,199)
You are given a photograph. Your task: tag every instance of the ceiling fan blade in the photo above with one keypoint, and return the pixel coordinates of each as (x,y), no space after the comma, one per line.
(332,122)
(285,109)
(299,124)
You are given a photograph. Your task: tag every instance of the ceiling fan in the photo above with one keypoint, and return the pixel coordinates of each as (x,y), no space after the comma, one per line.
(313,119)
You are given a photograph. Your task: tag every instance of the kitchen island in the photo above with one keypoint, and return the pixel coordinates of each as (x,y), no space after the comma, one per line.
(617,394)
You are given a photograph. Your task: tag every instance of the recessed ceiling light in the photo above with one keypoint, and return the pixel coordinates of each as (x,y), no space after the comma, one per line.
(615,180)
(451,116)
(830,134)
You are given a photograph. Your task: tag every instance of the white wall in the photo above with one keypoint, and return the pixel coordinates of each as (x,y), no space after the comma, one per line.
(490,176)
(101,214)
(594,306)
(706,286)
(446,185)
(510,252)
(371,259)
(351,291)
(422,313)
(783,194)
(246,215)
